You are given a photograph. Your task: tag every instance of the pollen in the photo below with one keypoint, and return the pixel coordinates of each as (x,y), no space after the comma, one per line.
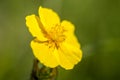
(56,35)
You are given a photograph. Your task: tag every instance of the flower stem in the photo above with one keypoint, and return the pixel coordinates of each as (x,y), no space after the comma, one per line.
(35,70)
(43,73)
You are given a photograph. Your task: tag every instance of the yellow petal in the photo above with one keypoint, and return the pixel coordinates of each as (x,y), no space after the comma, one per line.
(34,26)
(69,33)
(68,26)
(69,56)
(64,62)
(48,17)
(44,54)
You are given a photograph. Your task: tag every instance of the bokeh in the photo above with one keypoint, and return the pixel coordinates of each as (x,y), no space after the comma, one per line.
(97,28)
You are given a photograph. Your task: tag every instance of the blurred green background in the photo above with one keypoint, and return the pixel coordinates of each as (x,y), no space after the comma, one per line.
(97,28)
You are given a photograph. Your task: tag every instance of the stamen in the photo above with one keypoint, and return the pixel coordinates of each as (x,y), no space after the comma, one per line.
(55,36)
(38,41)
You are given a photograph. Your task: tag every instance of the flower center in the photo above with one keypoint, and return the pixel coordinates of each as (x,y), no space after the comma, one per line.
(55,36)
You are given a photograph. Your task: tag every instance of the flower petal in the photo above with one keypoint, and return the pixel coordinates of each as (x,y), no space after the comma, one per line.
(35,26)
(68,26)
(64,62)
(69,33)
(69,56)
(48,17)
(44,54)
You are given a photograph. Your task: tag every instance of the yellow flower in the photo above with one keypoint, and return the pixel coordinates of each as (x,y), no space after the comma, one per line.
(54,41)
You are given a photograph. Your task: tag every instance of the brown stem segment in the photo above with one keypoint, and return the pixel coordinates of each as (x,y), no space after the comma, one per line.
(35,70)
(43,73)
